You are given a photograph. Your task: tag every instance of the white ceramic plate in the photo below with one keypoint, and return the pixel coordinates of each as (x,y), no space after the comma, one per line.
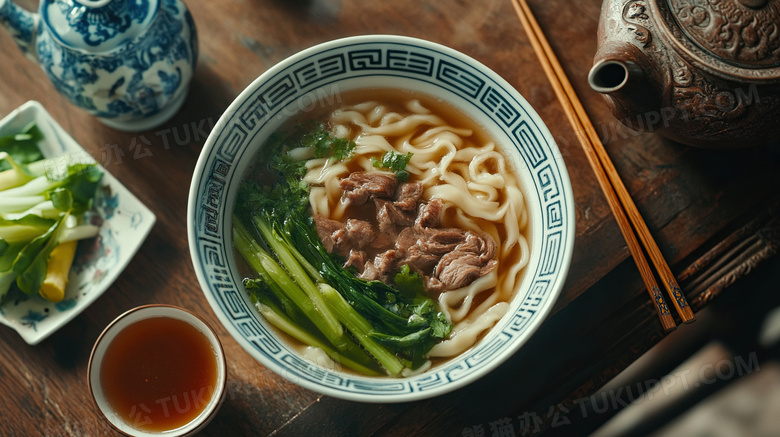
(124,224)
(296,84)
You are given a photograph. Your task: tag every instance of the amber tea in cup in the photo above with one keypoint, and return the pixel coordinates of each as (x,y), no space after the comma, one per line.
(157,369)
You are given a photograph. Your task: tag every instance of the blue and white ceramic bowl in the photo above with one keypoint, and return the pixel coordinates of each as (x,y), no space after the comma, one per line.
(388,61)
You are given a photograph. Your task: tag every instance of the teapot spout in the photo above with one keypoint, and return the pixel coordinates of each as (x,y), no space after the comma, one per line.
(609,76)
(22,25)
(623,74)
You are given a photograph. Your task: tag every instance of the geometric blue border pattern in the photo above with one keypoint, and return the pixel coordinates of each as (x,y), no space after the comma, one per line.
(381,59)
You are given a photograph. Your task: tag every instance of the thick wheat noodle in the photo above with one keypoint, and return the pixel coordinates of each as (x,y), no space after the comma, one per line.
(474,181)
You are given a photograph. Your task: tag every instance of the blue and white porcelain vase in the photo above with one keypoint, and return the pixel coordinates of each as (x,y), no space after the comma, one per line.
(127,62)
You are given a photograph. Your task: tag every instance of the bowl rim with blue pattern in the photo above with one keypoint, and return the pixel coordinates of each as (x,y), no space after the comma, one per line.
(296,84)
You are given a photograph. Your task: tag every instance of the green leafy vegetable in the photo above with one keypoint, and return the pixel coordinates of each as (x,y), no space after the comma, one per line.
(22,147)
(80,179)
(325,145)
(355,358)
(395,162)
(7,279)
(361,329)
(8,254)
(408,282)
(41,205)
(15,175)
(23,229)
(32,260)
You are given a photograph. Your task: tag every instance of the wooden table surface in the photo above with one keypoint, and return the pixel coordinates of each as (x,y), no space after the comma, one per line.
(706,208)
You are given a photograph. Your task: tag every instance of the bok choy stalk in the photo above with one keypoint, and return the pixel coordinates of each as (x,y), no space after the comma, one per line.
(286,305)
(41,204)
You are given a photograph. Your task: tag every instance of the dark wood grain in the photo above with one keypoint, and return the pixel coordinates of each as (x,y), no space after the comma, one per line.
(692,199)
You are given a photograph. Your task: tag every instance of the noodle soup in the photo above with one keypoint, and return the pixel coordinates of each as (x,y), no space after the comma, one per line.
(457,167)
(331,74)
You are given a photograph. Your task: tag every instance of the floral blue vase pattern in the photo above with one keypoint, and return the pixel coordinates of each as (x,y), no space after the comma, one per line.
(127,62)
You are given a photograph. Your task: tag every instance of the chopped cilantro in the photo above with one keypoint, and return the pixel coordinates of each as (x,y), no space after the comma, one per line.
(325,145)
(408,282)
(395,162)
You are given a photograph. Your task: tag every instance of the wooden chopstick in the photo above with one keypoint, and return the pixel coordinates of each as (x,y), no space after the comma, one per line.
(615,191)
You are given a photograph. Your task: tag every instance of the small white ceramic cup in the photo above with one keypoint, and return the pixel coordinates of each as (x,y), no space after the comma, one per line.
(125,320)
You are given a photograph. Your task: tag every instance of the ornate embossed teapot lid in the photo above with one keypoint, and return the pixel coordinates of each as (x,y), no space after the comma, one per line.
(97,26)
(730,37)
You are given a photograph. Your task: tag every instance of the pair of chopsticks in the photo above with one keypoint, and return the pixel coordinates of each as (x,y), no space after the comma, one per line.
(619,200)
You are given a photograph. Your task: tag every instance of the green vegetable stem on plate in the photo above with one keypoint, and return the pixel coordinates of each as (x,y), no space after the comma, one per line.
(42,203)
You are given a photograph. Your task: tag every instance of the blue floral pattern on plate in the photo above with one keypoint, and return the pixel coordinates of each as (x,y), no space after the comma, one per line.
(124,224)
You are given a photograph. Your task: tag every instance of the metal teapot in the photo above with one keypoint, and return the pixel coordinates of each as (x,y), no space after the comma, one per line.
(128,62)
(701,72)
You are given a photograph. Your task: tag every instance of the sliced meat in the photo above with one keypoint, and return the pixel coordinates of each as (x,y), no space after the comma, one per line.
(460,272)
(360,186)
(414,254)
(356,259)
(382,267)
(481,245)
(340,238)
(391,218)
(430,214)
(382,241)
(436,241)
(369,273)
(406,239)
(420,260)
(400,213)
(469,261)
(360,232)
(422,248)
(409,234)
(409,195)
(329,231)
(442,240)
